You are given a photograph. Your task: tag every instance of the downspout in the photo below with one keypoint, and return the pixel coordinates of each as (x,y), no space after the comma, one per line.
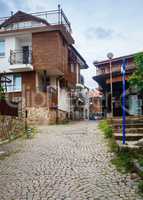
(57,113)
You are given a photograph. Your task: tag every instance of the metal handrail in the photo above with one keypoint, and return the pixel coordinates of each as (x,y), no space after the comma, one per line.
(17,57)
(59,15)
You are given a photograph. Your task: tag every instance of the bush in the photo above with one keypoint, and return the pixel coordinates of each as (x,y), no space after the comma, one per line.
(123,161)
(140,186)
(105,127)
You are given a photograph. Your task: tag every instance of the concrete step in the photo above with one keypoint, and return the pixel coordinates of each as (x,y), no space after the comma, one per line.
(128,146)
(128,122)
(131,143)
(133,125)
(129,136)
(140,118)
(129,130)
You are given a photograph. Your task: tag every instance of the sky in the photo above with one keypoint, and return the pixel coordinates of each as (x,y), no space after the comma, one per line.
(99,26)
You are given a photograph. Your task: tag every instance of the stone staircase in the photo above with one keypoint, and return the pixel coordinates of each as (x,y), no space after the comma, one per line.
(134,131)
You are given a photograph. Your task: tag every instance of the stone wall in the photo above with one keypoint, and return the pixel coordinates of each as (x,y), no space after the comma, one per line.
(45,116)
(37,115)
(62,116)
(11,127)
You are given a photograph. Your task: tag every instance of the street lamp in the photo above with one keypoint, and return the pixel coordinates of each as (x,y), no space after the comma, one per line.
(110,57)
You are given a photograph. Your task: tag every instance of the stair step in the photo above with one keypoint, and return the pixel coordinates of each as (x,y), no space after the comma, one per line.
(129,136)
(129,145)
(129,130)
(135,125)
(127,122)
(127,118)
(128,142)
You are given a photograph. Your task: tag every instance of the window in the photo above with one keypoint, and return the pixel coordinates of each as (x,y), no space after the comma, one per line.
(15,85)
(2,48)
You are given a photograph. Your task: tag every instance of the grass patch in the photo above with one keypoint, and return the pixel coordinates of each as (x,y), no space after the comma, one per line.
(140,187)
(140,159)
(113,145)
(30,132)
(107,130)
(123,162)
(123,159)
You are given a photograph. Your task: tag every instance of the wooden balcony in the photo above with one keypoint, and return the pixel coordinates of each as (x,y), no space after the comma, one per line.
(115,68)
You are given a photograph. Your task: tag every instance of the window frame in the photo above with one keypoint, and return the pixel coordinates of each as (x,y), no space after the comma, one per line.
(11,87)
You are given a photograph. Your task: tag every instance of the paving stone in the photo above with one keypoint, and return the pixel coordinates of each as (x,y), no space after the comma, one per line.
(65,162)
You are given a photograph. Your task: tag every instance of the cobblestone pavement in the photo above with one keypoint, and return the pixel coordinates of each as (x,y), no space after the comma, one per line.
(65,162)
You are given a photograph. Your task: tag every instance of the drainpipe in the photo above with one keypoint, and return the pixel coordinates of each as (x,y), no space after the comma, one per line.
(57,113)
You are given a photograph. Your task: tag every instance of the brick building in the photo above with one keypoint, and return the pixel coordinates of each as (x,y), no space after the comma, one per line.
(95,97)
(37,55)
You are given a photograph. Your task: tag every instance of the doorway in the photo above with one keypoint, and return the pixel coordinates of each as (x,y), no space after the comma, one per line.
(25,51)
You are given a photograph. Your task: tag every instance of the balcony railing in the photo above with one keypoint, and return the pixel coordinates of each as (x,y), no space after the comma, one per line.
(106,70)
(53,17)
(20,57)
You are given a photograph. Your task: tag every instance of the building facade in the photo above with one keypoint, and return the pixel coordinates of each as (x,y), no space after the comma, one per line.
(134,99)
(95,99)
(80,102)
(37,55)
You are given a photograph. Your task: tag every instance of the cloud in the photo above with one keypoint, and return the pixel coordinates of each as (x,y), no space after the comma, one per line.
(101,33)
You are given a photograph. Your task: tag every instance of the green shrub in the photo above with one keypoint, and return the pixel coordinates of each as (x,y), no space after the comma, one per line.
(107,130)
(141,161)
(140,186)
(113,145)
(123,161)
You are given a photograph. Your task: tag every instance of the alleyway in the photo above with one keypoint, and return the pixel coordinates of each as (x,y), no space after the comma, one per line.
(65,162)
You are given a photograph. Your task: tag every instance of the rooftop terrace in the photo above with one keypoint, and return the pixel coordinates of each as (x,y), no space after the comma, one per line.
(52,17)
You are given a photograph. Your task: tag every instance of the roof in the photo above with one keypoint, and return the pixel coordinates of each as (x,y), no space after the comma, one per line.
(20,16)
(118,59)
(79,55)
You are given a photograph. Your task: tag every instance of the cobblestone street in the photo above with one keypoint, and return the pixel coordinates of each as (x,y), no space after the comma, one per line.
(65,162)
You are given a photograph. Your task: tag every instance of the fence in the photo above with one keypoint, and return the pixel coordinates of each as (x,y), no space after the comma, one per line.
(11,125)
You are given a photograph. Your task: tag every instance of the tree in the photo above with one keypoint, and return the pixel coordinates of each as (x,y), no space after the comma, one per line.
(137,77)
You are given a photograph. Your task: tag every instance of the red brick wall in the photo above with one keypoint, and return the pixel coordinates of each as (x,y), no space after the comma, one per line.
(50,51)
(45,46)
